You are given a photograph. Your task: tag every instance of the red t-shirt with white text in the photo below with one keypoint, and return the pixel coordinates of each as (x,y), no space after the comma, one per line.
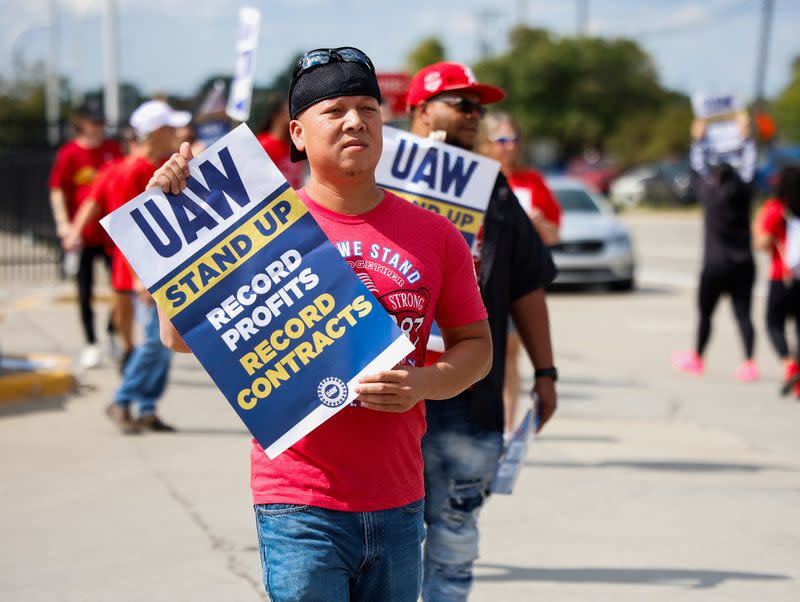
(74,170)
(280,153)
(419,267)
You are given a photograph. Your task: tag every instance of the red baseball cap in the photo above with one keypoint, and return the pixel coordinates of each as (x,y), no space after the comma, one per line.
(449,77)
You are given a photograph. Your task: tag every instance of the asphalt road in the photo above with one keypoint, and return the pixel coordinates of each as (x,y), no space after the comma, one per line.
(648,485)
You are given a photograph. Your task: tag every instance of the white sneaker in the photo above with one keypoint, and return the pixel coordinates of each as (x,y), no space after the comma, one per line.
(90,356)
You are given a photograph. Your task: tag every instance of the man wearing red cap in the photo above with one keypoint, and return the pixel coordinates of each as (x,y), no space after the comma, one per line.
(464,440)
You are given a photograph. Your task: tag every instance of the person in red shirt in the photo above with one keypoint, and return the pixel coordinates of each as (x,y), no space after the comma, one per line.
(783,301)
(276,142)
(499,138)
(340,514)
(104,197)
(76,165)
(145,375)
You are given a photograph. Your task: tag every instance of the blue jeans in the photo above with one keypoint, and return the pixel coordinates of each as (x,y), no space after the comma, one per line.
(315,554)
(145,375)
(460,461)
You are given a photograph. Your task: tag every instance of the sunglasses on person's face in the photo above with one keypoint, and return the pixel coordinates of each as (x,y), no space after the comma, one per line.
(462,105)
(503,140)
(323,56)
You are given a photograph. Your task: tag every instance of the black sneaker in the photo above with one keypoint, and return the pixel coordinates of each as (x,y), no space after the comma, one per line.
(153,423)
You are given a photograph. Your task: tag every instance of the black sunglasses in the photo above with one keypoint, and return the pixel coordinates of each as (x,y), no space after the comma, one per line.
(462,104)
(323,56)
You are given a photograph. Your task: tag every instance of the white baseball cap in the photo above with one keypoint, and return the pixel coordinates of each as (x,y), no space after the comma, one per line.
(155,114)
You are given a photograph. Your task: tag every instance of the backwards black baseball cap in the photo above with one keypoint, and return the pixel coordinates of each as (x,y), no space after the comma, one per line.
(329,73)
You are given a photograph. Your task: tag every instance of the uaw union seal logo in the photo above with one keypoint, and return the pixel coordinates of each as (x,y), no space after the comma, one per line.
(332,392)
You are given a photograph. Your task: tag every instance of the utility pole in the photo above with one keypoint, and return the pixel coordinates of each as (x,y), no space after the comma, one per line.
(582,16)
(111,89)
(767,8)
(52,107)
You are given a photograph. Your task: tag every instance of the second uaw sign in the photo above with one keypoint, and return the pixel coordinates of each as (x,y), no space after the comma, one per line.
(441,177)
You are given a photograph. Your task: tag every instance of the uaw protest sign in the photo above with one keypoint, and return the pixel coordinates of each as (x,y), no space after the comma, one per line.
(441,177)
(723,134)
(261,296)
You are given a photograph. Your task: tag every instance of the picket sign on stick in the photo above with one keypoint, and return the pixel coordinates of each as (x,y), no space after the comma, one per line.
(274,314)
(241,94)
(723,134)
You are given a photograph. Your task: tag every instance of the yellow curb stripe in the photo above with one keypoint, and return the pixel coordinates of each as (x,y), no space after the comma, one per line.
(23,386)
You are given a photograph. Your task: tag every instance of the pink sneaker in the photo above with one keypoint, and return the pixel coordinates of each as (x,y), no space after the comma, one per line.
(688,361)
(747,372)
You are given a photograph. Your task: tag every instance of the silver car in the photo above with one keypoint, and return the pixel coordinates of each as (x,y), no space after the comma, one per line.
(595,248)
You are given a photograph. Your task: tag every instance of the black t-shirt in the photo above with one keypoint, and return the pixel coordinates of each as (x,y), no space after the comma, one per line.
(722,183)
(513,262)
(726,200)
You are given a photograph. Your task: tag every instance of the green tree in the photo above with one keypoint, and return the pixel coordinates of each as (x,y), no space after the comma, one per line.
(22,106)
(578,91)
(653,135)
(786,107)
(428,51)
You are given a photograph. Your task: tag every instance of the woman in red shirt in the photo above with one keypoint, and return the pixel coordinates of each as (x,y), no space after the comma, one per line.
(500,140)
(769,234)
(76,165)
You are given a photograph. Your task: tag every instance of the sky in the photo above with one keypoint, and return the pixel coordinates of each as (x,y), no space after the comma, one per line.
(172,46)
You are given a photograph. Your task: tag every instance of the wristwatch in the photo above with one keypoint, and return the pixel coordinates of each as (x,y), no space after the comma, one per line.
(550,372)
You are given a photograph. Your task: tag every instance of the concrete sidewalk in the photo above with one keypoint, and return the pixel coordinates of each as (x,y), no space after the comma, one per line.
(648,486)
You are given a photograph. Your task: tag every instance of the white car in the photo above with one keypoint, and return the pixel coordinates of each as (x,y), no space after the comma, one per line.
(629,189)
(665,183)
(595,248)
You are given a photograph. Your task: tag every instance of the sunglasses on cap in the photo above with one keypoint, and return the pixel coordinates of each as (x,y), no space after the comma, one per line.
(505,140)
(323,56)
(462,105)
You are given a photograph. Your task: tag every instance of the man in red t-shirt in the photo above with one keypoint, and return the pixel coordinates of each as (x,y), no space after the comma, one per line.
(783,301)
(339,514)
(76,165)
(275,140)
(145,375)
